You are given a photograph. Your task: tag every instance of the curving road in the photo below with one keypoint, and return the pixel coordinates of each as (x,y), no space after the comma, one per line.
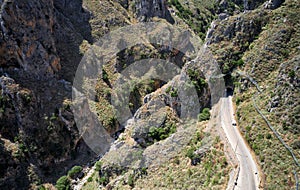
(248,177)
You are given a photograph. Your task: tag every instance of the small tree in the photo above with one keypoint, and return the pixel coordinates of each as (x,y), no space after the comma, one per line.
(90,179)
(63,183)
(205,115)
(104,179)
(98,165)
(74,171)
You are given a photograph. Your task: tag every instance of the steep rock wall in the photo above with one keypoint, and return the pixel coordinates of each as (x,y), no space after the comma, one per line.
(39,53)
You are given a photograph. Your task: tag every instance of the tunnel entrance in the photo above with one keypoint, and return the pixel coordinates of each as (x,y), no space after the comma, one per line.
(229,91)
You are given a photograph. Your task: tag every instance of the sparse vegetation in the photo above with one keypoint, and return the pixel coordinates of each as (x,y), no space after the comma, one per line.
(197,80)
(130,180)
(195,158)
(182,12)
(211,172)
(172,91)
(197,15)
(160,133)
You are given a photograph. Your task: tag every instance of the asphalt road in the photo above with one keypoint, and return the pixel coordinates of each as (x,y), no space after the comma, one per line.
(248,177)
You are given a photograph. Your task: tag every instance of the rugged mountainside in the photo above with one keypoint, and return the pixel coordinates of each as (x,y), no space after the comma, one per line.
(254,43)
(37,129)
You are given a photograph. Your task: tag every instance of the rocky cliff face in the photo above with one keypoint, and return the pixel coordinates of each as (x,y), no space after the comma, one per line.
(35,113)
(23,41)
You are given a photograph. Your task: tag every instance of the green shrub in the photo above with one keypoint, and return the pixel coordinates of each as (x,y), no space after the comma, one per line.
(23,148)
(190,172)
(269,136)
(63,183)
(90,179)
(190,153)
(74,171)
(205,115)
(168,90)
(226,68)
(195,158)
(53,117)
(182,12)
(292,74)
(144,171)
(98,165)
(160,133)
(248,128)
(103,180)
(215,181)
(285,53)
(239,62)
(42,187)
(104,75)
(130,180)
(195,77)
(176,160)
(238,101)
(174,93)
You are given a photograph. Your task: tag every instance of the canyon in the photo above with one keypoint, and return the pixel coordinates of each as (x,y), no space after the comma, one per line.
(249,48)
